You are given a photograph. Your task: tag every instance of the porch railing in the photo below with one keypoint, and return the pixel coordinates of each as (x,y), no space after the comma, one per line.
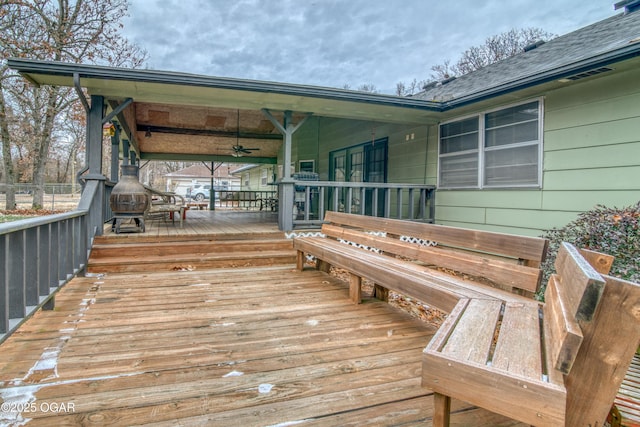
(311,199)
(40,255)
(247,199)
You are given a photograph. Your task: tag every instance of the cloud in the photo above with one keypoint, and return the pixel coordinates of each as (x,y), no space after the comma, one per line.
(334,42)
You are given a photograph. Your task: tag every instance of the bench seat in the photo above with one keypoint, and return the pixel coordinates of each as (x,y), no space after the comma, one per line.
(490,353)
(436,288)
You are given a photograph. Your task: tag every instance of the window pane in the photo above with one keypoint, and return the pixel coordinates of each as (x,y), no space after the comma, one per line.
(459,171)
(522,132)
(517,114)
(339,168)
(511,166)
(454,144)
(461,126)
(459,136)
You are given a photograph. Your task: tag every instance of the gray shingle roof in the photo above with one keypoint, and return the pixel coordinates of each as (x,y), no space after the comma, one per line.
(559,57)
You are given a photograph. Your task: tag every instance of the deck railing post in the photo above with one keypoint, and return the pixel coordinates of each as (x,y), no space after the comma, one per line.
(285,205)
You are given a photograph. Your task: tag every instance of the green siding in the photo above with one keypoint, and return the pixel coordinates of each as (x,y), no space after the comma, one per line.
(623,178)
(591,135)
(524,199)
(604,156)
(591,156)
(586,200)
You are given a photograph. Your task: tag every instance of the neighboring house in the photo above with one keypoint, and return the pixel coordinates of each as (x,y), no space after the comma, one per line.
(256,177)
(184,181)
(520,146)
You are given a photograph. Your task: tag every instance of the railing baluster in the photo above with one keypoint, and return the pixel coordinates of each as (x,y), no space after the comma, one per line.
(44,259)
(4,284)
(31,270)
(374,202)
(321,193)
(55,256)
(17,292)
(410,214)
(387,203)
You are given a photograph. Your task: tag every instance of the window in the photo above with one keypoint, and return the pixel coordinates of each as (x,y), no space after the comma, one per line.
(263,177)
(307,166)
(496,149)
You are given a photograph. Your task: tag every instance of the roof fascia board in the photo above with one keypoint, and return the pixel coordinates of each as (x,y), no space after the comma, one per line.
(609,58)
(27,67)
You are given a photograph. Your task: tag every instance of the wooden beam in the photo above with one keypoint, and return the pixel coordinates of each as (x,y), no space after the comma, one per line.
(207,158)
(207,132)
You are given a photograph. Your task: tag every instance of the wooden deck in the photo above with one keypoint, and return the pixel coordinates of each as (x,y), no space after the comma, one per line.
(265,346)
(204,222)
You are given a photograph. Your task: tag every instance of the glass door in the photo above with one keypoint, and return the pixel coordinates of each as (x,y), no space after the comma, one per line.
(360,163)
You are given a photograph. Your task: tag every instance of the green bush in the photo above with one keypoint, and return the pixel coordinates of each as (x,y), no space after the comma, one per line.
(608,230)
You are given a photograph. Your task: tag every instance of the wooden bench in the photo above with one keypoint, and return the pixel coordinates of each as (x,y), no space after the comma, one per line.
(542,364)
(484,264)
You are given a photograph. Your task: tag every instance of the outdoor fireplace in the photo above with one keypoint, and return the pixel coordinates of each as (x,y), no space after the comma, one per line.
(129,199)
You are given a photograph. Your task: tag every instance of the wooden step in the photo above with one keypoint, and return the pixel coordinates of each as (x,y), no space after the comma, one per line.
(135,238)
(173,262)
(196,247)
(169,253)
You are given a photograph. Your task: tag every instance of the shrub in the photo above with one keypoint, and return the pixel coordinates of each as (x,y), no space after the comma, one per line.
(608,230)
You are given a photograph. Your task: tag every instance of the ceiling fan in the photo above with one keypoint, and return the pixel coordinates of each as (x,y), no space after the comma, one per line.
(239,150)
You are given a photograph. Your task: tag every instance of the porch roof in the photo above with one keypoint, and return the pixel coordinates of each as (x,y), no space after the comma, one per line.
(196,117)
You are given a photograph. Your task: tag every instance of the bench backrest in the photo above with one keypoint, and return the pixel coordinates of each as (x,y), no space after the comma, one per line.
(511,262)
(610,341)
(572,295)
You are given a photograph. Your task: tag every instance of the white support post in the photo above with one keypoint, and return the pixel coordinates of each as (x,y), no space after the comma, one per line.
(285,186)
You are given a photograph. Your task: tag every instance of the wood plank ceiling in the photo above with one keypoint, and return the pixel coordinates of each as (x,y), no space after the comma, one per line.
(178,131)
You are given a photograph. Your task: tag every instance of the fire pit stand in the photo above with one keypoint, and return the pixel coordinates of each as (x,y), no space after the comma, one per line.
(129,200)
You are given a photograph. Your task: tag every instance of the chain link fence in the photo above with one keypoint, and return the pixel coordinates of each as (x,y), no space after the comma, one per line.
(57,197)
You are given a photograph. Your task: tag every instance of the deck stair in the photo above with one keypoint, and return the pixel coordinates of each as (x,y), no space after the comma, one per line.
(117,255)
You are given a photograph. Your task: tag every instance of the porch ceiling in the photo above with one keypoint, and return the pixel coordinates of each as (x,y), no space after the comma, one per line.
(194,117)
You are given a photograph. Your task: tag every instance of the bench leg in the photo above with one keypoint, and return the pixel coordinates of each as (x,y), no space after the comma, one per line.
(355,288)
(300,261)
(323,266)
(381,293)
(441,410)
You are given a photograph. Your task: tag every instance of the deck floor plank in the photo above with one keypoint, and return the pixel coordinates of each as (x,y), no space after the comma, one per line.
(224,347)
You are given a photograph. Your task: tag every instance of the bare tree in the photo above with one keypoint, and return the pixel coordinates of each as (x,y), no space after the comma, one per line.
(81,31)
(415,86)
(494,49)
(365,87)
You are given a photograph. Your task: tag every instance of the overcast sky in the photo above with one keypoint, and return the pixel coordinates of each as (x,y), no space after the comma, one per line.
(336,42)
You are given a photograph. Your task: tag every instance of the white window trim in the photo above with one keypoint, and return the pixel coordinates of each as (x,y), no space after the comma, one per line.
(481,149)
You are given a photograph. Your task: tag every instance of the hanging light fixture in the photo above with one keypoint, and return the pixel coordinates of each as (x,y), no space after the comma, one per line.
(147,134)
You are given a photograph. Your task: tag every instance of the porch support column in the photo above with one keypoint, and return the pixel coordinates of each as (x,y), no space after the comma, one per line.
(286,184)
(94,161)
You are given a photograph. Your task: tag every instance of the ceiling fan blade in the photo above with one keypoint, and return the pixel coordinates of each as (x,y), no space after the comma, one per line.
(240,149)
